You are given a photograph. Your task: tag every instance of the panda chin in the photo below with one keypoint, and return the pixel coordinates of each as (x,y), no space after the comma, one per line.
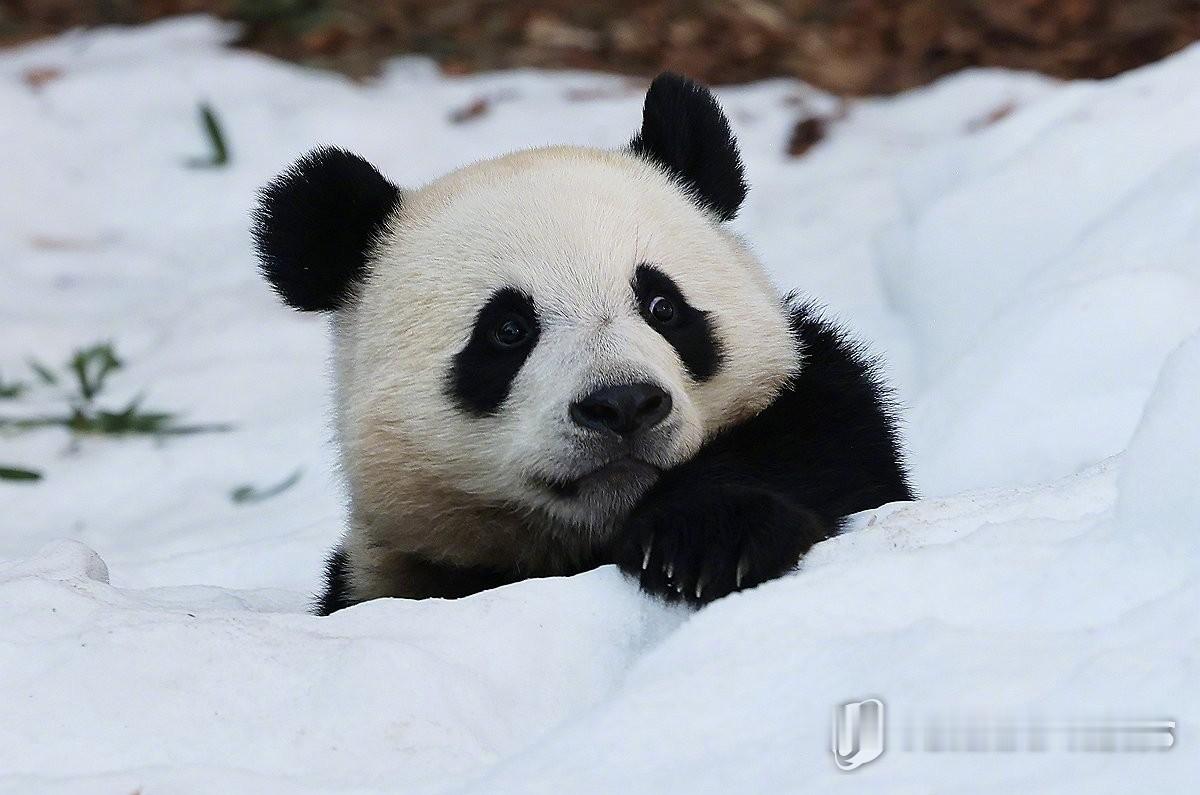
(619,475)
(604,493)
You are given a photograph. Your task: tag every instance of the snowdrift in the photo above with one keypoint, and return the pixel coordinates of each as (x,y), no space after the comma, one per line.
(1026,254)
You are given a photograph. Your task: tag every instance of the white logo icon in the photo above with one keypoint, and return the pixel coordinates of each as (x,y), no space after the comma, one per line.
(857,733)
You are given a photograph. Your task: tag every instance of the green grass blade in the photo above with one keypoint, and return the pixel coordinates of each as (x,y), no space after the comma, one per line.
(17,473)
(219,150)
(91,367)
(11,389)
(44,373)
(247,494)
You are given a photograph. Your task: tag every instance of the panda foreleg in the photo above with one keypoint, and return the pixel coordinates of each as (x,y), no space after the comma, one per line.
(758,495)
(402,575)
(336,593)
(700,541)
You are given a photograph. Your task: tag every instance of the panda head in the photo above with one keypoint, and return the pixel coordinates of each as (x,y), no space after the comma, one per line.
(542,333)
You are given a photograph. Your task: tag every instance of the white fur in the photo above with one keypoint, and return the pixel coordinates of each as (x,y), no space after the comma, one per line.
(568,226)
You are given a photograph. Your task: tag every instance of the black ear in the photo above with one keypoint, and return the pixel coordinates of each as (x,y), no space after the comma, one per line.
(685,132)
(315,224)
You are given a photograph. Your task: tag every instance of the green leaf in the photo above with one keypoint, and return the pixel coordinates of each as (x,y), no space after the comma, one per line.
(91,367)
(11,389)
(43,372)
(216,140)
(295,16)
(188,430)
(17,473)
(249,494)
(32,423)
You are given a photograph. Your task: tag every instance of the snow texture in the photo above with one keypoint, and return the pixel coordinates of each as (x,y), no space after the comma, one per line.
(1025,253)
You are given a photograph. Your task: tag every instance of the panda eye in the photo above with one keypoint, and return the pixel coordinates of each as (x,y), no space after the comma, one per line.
(661,309)
(511,332)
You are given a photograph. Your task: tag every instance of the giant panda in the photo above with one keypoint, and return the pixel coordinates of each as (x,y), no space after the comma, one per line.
(562,358)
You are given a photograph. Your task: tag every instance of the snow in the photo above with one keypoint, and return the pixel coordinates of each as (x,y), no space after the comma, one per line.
(1160,479)
(1025,253)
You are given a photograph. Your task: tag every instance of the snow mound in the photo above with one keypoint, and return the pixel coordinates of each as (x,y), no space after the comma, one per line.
(1160,479)
(1004,605)
(182,693)
(1048,276)
(1025,254)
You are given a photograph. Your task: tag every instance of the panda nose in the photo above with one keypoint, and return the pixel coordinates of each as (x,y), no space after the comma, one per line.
(624,409)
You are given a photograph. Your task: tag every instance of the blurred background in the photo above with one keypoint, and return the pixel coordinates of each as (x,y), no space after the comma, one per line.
(843,46)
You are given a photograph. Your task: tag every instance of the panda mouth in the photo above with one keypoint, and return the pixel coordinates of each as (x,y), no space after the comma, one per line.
(619,474)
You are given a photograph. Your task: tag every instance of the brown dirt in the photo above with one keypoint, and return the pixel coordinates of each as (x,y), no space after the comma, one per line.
(846,46)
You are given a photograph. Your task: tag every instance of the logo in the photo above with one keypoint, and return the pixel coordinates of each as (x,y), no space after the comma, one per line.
(857,733)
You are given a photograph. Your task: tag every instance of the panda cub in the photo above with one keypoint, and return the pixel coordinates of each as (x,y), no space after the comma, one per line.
(561,358)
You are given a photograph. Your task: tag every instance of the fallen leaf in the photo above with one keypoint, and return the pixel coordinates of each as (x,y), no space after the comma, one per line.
(991,117)
(471,111)
(39,76)
(807,133)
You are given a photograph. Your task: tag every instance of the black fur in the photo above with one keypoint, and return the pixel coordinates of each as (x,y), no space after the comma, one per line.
(337,586)
(315,225)
(424,579)
(690,331)
(483,371)
(760,494)
(685,132)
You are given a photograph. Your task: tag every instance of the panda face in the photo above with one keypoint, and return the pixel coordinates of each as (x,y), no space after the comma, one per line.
(547,332)
(530,341)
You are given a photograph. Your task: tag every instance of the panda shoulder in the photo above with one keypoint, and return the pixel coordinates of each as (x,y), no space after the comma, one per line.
(830,356)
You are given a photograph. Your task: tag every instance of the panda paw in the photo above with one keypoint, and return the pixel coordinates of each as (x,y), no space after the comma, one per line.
(697,545)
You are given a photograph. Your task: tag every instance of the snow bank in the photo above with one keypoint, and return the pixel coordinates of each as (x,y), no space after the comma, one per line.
(1160,477)
(1048,275)
(1009,604)
(1025,253)
(187,689)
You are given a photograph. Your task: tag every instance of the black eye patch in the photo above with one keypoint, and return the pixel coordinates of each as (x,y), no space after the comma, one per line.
(506,330)
(689,330)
